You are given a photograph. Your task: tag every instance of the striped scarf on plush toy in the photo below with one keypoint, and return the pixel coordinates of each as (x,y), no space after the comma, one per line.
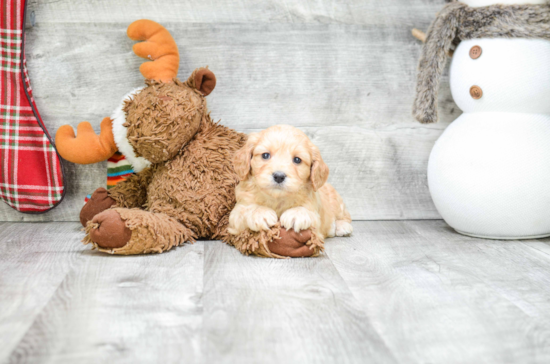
(118,169)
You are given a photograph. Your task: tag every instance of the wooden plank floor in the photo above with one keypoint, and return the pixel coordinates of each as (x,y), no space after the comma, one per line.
(397,291)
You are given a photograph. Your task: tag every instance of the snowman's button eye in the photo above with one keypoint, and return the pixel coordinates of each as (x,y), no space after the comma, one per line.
(475,52)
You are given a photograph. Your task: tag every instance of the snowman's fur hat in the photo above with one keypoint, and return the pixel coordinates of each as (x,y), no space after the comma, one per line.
(458,22)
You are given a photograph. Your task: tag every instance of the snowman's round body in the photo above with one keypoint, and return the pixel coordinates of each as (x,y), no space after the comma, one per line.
(489,173)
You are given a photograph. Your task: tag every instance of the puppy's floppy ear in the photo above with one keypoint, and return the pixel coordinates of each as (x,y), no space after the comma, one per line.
(243,157)
(319,170)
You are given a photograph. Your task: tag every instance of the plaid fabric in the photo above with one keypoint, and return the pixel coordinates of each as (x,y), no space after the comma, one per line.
(31,178)
(118,169)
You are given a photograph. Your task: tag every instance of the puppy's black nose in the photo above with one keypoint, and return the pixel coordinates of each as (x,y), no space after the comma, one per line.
(279,177)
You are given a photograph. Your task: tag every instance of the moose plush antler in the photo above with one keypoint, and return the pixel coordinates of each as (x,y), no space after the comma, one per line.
(89,147)
(159,46)
(184,185)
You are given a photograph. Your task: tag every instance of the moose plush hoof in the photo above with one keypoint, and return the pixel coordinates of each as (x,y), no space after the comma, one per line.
(100,201)
(124,231)
(277,243)
(292,244)
(108,230)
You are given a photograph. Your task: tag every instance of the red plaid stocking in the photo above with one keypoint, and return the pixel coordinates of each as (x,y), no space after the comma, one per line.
(31,178)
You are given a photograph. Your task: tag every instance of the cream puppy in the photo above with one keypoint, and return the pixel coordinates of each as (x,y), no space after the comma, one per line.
(283,179)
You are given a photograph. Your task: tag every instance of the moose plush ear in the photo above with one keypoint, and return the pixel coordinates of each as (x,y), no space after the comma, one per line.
(319,170)
(202,80)
(243,157)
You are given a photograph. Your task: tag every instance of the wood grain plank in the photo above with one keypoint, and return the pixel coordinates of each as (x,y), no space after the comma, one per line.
(303,74)
(138,309)
(380,12)
(354,78)
(396,291)
(440,297)
(34,261)
(282,311)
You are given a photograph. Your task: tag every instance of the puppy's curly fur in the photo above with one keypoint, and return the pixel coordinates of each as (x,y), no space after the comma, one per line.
(283,179)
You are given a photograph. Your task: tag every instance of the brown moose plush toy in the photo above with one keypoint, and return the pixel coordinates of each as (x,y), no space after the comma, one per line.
(184,185)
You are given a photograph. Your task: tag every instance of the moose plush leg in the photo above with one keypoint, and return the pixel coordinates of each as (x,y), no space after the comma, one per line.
(98,202)
(132,192)
(129,193)
(132,231)
(277,243)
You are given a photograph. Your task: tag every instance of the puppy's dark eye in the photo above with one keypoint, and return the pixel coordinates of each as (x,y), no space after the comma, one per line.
(266,156)
(297,160)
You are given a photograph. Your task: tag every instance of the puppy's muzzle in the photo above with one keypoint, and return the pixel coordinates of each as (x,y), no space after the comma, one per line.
(279,177)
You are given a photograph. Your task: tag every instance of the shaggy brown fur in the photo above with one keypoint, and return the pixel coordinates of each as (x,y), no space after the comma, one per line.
(162,118)
(458,22)
(192,183)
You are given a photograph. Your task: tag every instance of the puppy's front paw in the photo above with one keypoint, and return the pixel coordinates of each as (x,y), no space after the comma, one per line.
(298,218)
(343,228)
(262,218)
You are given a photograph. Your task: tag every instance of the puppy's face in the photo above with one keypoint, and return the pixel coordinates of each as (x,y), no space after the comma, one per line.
(281,160)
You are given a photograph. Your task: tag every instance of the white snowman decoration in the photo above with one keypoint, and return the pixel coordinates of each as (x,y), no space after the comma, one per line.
(489,172)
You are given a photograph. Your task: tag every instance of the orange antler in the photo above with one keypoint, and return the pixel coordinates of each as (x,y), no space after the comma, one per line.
(159,46)
(87,147)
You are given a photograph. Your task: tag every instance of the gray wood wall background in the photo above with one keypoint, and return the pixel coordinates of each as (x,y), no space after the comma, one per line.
(342,71)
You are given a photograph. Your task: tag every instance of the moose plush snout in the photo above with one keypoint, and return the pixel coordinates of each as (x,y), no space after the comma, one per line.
(173,116)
